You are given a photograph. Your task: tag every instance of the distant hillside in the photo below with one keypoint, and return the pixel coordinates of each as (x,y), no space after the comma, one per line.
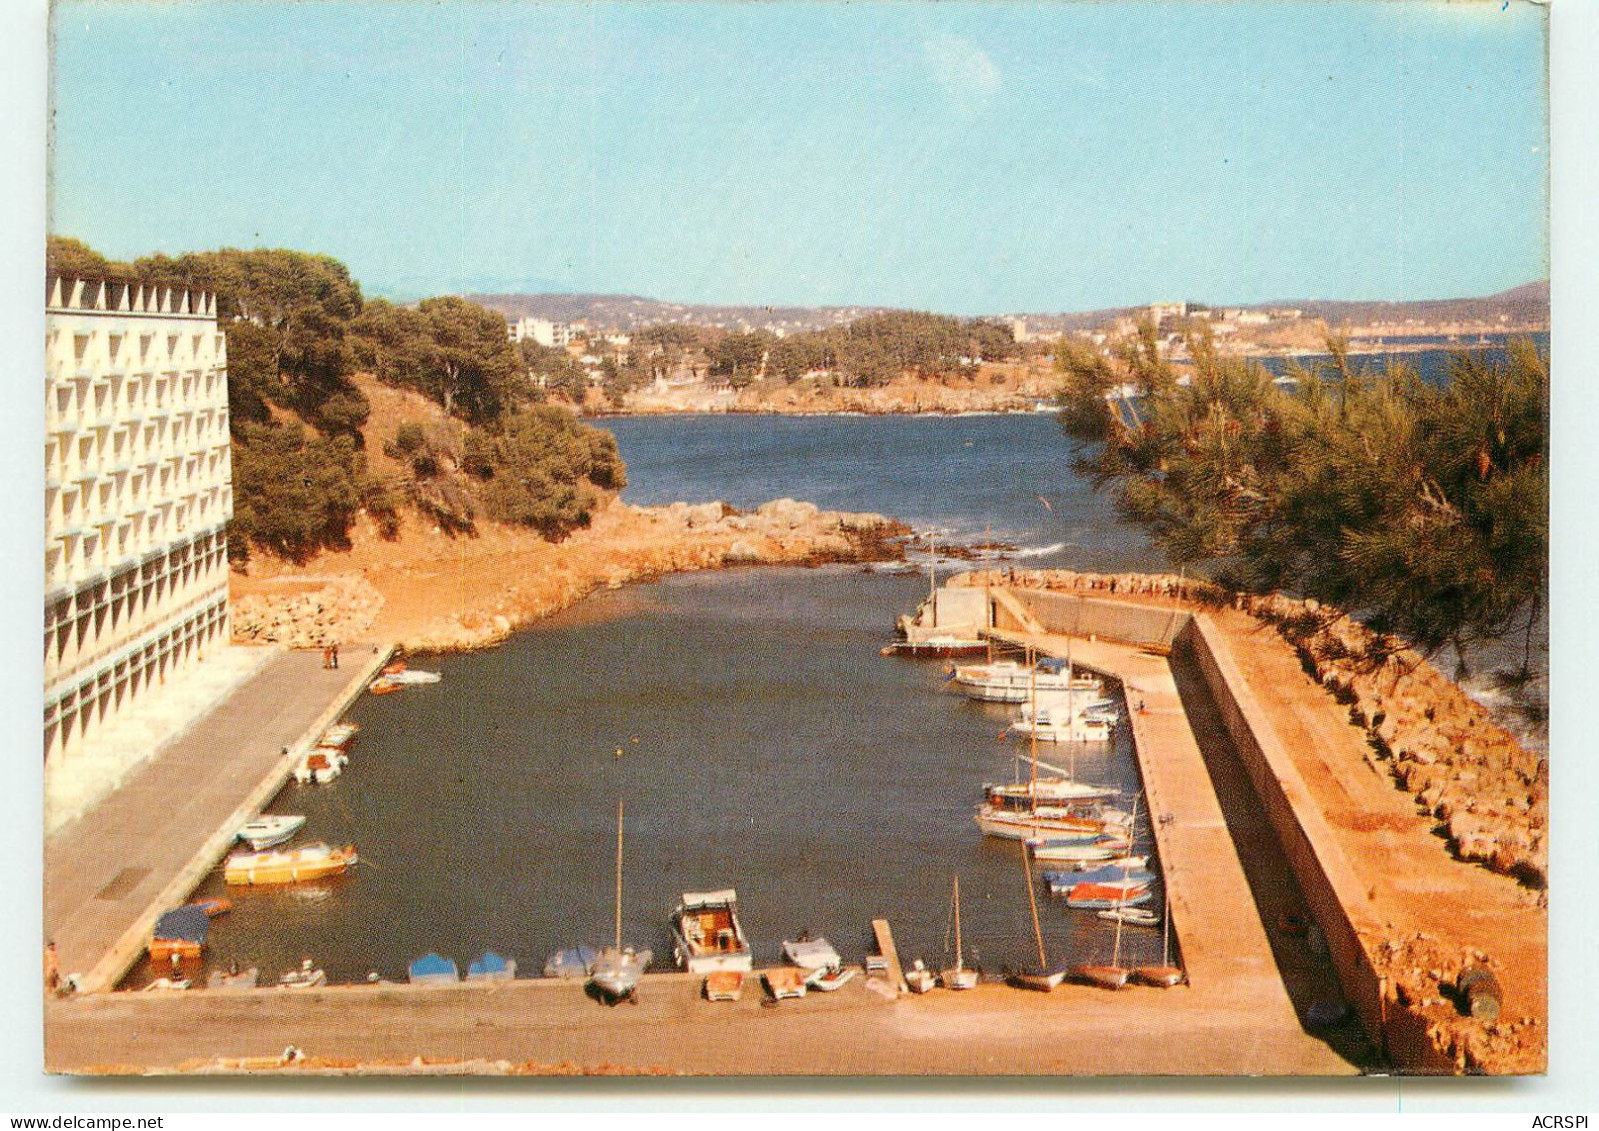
(1526,303)
(620,313)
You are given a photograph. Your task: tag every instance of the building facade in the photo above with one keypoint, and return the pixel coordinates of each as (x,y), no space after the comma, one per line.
(138,493)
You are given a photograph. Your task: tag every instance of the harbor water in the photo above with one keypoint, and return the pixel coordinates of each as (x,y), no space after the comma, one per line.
(747,719)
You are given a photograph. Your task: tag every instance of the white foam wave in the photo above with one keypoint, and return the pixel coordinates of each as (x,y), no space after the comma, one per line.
(1038,551)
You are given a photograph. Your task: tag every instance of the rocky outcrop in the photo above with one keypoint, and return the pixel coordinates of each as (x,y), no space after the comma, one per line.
(432,592)
(1489,794)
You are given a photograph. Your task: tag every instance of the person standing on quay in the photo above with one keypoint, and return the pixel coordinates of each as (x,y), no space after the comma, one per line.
(335,652)
(52,967)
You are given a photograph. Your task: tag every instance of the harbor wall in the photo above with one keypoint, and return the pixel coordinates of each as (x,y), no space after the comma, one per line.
(114,965)
(1333,894)
(1073,614)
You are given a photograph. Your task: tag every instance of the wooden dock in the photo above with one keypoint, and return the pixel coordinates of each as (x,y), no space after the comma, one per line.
(886,947)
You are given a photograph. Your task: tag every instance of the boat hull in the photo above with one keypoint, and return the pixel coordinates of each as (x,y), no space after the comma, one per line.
(784,982)
(707,935)
(1105,977)
(1161,977)
(1041,983)
(288,867)
(617,973)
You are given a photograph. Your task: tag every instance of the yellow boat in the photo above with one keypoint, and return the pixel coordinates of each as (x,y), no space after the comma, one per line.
(294,866)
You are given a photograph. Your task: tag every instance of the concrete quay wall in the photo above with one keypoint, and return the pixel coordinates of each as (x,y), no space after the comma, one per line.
(1334,894)
(1073,614)
(128,947)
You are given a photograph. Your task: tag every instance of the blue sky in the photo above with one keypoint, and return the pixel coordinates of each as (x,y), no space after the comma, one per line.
(963,158)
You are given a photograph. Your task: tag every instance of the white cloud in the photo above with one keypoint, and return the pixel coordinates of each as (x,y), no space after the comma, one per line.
(964,70)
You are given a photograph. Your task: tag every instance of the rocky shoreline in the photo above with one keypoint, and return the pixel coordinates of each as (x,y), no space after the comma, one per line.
(430,592)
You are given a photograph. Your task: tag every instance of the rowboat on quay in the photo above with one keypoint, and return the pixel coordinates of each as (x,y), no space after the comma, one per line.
(826,980)
(1165,975)
(784,982)
(1045,978)
(270,829)
(724,985)
(314,862)
(919,978)
(811,953)
(307,977)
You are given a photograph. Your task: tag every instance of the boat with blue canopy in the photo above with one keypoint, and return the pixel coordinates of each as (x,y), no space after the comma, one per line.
(491,968)
(432,970)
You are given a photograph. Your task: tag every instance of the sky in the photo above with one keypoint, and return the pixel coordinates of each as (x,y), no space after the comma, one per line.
(965,158)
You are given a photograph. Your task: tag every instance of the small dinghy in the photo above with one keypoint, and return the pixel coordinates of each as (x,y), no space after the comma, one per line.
(724,985)
(1042,981)
(270,829)
(161,984)
(433,970)
(919,978)
(1105,977)
(573,962)
(811,954)
(827,980)
(784,982)
(491,968)
(1132,916)
(339,735)
(308,976)
(233,979)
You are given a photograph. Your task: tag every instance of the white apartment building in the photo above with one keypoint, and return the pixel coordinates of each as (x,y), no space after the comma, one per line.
(556,335)
(138,493)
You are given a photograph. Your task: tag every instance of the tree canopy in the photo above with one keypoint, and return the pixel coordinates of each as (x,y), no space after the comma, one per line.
(1422,507)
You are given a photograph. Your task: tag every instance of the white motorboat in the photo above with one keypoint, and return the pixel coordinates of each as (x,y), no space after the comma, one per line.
(1046,792)
(1060,725)
(811,954)
(412,678)
(706,933)
(270,829)
(1006,681)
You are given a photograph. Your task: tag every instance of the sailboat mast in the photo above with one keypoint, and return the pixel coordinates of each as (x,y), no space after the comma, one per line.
(619,811)
(932,573)
(960,953)
(1032,903)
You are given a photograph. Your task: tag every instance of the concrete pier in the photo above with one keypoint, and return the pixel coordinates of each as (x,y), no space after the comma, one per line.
(111,872)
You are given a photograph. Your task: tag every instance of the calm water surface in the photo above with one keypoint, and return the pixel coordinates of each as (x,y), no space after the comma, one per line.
(765,744)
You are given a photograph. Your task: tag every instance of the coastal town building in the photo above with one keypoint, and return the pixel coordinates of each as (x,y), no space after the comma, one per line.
(555,335)
(138,493)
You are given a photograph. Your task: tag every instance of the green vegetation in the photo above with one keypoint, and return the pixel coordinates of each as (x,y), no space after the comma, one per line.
(541,468)
(1423,508)
(298,329)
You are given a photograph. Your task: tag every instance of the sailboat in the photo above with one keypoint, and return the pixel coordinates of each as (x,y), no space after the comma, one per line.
(618,969)
(1114,976)
(1043,979)
(1165,975)
(958,977)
